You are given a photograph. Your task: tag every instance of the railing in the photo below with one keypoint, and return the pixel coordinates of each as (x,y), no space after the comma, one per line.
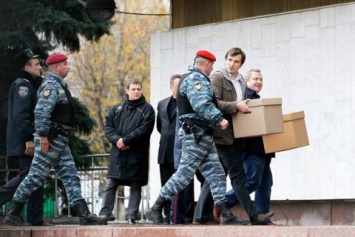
(92,187)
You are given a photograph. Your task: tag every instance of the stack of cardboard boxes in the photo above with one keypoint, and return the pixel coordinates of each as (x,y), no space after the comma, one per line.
(279,132)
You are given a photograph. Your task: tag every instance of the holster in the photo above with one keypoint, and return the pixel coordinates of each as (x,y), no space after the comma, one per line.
(52,134)
(189,126)
(54,130)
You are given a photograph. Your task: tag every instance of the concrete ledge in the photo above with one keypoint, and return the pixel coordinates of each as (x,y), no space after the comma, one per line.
(310,212)
(147,230)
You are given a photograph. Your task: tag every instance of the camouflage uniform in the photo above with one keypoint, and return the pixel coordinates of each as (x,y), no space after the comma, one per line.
(203,154)
(59,156)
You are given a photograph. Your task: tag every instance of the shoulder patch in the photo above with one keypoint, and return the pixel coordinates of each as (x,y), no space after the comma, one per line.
(23,91)
(198,86)
(46,92)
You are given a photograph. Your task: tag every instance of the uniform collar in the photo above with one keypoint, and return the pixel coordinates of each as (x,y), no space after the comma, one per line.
(61,80)
(27,76)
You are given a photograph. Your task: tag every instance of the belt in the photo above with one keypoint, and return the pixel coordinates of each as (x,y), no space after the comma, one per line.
(188,124)
(61,129)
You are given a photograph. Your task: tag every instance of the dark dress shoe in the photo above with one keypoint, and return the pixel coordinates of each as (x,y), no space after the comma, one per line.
(111,217)
(108,217)
(131,221)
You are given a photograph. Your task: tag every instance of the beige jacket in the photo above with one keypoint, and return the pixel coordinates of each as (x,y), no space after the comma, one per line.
(225,93)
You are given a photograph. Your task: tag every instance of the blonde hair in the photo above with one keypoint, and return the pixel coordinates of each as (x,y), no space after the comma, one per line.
(247,76)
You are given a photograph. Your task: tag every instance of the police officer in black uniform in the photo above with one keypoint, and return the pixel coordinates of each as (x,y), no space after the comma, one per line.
(20,129)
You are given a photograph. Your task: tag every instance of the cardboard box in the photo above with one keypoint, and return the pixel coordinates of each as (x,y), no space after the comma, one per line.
(294,135)
(265,118)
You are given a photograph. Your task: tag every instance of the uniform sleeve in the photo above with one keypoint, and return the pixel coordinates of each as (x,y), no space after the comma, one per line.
(227,107)
(199,93)
(47,99)
(109,129)
(23,110)
(144,129)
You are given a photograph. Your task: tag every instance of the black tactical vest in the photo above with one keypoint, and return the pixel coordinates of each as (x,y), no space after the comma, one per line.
(64,113)
(183,104)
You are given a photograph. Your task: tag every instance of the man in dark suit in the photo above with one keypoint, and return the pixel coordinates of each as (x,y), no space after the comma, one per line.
(166,121)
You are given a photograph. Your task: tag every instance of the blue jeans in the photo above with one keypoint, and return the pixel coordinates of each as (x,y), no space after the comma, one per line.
(259,179)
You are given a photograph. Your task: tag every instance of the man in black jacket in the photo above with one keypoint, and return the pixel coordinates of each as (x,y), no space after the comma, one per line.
(20,129)
(166,121)
(128,128)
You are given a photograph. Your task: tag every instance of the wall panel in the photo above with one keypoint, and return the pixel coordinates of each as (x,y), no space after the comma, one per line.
(196,12)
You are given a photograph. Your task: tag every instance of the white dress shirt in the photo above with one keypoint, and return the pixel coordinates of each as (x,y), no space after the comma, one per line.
(238,86)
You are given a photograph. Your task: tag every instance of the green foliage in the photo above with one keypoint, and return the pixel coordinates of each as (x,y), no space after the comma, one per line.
(49,23)
(41,25)
(84,123)
(84,126)
(101,69)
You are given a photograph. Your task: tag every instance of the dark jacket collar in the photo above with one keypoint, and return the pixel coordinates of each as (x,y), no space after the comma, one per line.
(27,76)
(251,94)
(135,103)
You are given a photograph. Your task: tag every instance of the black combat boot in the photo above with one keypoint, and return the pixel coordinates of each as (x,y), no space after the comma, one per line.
(261,218)
(154,214)
(14,215)
(227,217)
(85,216)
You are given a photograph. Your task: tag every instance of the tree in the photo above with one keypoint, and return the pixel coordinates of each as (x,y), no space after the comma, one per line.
(45,25)
(101,69)
(83,127)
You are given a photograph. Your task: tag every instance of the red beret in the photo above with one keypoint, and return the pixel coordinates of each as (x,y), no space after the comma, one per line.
(206,54)
(56,58)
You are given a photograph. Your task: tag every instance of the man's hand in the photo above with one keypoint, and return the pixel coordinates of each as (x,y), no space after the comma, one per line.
(243,107)
(124,148)
(30,148)
(121,145)
(44,144)
(224,124)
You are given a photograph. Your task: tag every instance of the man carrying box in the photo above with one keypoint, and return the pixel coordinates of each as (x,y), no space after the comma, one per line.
(256,162)
(229,88)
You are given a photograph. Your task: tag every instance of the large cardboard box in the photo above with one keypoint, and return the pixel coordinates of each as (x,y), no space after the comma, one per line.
(294,135)
(265,118)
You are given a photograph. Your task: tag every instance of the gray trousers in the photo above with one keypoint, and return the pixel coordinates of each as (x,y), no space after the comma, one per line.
(109,198)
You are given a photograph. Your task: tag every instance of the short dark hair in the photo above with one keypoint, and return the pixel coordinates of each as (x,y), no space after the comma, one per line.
(28,63)
(173,77)
(133,81)
(235,52)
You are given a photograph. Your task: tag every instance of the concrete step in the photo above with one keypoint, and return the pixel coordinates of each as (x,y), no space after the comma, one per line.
(144,229)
